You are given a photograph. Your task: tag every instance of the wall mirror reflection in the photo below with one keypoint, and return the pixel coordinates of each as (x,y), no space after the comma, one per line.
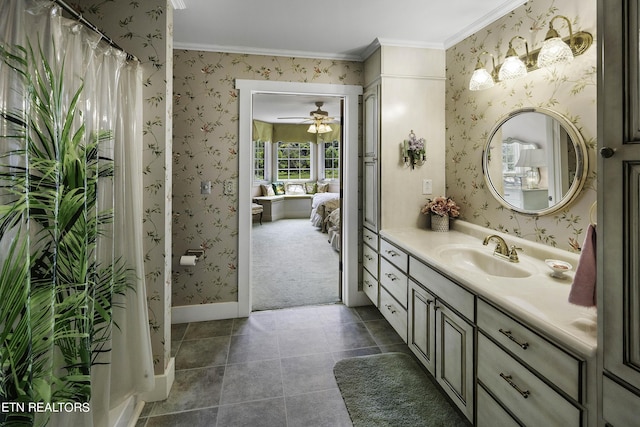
(534,161)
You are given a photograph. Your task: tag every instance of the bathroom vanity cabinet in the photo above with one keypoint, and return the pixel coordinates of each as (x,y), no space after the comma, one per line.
(498,365)
(441,332)
(393,286)
(535,380)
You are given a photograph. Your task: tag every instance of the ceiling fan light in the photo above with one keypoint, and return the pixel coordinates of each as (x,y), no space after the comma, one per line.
(323,128)
(319,128)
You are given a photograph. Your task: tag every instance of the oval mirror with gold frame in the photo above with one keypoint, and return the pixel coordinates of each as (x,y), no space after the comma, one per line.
(535,161)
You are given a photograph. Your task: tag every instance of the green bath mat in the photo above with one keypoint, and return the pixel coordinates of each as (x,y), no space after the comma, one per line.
(390,389)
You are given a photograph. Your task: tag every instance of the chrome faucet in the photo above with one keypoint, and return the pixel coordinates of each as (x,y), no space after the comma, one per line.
(502,250)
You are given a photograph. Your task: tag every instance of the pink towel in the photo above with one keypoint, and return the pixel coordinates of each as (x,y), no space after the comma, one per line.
(583,288)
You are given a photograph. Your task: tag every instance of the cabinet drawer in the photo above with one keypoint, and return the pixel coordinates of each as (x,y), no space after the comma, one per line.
(455,296)
(397,256)
(394,313)
(394,280)
(370,260)
(370,238)
(526,396)
(490,413)
(370,287)
(557,366)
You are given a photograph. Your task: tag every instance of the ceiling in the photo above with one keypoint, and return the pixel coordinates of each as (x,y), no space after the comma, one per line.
(270,107)
(335,29)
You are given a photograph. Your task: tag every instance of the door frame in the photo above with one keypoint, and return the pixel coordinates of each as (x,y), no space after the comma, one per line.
(349,182)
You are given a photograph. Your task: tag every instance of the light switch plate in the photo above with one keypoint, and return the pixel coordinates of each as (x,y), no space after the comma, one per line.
(427,186)
(229,187)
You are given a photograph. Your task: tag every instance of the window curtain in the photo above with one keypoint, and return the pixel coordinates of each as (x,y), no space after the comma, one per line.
(263,131)
(74,325)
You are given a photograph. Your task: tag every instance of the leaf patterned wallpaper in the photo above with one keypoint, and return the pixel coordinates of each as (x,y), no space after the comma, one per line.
(470,116)
(205,146)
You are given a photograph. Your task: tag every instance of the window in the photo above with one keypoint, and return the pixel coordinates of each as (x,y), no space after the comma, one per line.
(331,151)
(294,160)
(285,161)
(259,161)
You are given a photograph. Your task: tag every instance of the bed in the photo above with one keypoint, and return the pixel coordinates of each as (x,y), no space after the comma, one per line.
(322,205)
(333,228)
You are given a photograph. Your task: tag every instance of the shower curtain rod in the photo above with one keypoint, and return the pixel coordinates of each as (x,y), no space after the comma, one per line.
(92,27)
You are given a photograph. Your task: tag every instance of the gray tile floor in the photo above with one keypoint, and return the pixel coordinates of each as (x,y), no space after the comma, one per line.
(274,368)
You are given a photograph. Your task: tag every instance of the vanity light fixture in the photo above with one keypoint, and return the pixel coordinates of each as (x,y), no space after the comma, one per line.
(481,78)
(554,50)
(513,67)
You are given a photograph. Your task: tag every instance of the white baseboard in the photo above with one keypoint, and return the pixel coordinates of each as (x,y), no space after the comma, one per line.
(359,299)
(125,414)
(203,312)
(164,382)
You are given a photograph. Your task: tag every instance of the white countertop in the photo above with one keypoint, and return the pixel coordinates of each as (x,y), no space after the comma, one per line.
(539,300)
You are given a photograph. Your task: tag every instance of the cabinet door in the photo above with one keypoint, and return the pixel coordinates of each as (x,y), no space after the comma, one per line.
(619,173)
(371,126)
(454,358)
(370,195)
(370,168)
(422,326)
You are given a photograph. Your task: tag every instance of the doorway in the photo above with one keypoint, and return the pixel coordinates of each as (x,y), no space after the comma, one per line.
(351,296)
(295,249)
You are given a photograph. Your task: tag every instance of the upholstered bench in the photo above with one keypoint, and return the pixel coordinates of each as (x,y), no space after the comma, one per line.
(285,206)
(257,209)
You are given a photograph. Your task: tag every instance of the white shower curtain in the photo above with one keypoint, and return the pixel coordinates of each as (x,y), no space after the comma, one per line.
(106,91)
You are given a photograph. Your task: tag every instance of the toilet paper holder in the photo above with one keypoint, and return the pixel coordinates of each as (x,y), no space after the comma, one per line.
(198,253)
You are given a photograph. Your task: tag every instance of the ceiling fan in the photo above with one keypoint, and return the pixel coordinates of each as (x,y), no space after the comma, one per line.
(319,120)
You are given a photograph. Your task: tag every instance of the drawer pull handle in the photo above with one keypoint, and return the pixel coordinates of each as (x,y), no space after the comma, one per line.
(391,276)
(368,283)
(390,308)
(507,334)
(392,252)
(368,237)
(507,378)
(369,257)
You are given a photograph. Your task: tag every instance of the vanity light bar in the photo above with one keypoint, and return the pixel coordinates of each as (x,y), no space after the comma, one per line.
(578,42)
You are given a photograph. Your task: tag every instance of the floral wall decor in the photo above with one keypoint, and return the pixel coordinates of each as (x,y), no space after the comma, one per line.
(470,116)
(205,147)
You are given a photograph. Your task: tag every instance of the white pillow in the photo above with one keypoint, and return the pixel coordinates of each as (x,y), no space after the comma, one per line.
(294,189)
(267,190)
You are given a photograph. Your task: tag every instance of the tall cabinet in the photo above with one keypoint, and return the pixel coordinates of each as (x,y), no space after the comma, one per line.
(619,211)
(404,91)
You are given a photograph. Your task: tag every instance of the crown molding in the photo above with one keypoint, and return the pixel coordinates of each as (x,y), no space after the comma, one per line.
(267,52)
(497,13)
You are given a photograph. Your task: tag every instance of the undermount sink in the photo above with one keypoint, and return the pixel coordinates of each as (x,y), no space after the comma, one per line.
(477,260)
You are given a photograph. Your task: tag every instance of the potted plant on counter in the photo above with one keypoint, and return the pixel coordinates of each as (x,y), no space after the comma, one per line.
(441,209)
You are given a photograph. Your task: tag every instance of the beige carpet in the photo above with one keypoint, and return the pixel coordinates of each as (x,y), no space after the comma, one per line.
(292,265)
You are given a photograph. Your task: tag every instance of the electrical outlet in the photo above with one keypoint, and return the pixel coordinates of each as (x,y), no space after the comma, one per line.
(229,188)
(427,186)
(205,187)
